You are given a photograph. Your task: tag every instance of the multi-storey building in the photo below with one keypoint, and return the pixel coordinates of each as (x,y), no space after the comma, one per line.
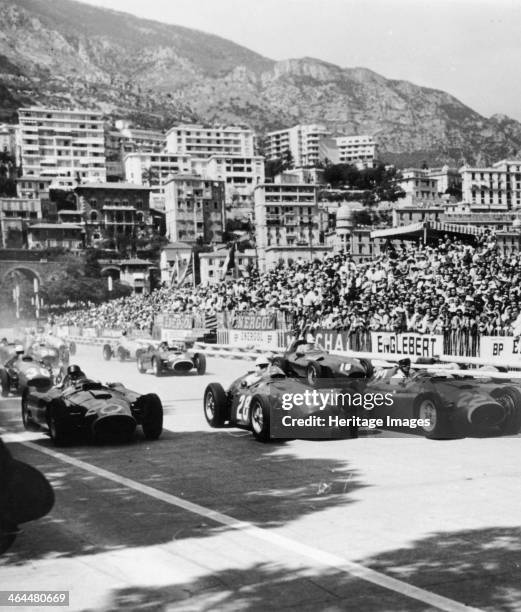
(288,223)
(15,215)
(303,142)
(8,138)
(205,141)
(357,150)
(64,145)
(46,235)
(212,269)
(447,178)
(419,188)
(33,187)
(194,209)
(497,187)
(239,174)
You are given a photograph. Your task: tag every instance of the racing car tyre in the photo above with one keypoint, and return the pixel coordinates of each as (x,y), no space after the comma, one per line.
(368,367)
(152,416)
(314,372)
(200,363)
(156,366)
(55,420)
(72,348)
(215,405)
(28,423)
(281,363)
(107,352)
(4,383)
(140,364)
(122,354)
(260,418)
(510,398)
(429,407)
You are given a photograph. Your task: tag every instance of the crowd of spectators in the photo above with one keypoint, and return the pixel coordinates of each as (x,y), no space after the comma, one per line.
(420,288)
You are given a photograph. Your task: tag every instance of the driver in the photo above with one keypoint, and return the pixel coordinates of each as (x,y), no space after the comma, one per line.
(18,356)
(402,370)
(261,367)
(74,375)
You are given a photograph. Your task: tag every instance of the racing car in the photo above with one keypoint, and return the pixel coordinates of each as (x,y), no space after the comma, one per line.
(18,374)
(52,357)
(259,408)
(126,348)
(173,357)
(449,404)
(108,412)
(310,361)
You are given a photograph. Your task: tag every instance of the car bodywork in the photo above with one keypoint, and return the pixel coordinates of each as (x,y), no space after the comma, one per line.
(125,348)
(108,411)
(311,361)
(256,407)
(453,404)
(52,357)
(173,357)
(17,375)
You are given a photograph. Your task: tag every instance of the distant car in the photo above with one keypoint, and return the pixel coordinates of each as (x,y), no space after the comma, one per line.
(7,349)
(452,404)
(17,375)
(252,406)
(125,348)
(52,357)
(109,412)
(171,357)
(310,361)
(65,348)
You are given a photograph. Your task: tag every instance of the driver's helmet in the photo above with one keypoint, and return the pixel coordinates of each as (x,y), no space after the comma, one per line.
(74,373)
(19,349)
(405,365)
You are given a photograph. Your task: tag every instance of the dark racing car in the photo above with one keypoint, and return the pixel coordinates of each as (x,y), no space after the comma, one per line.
(257,405)
(52,357)
(126,348)
(448,404)
(310,361)
(109,412)
(22,371)
(171,357)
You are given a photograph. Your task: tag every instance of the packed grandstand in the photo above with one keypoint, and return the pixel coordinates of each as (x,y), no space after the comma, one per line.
(414,288)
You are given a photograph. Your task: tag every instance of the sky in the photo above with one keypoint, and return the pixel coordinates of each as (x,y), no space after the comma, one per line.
(468,48)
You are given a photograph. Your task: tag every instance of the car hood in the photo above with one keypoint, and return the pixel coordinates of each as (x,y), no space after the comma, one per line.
(99,402)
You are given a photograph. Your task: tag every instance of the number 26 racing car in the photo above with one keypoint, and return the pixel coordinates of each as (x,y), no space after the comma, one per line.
(18,373)
(262,404)
(109,412)
(171,357)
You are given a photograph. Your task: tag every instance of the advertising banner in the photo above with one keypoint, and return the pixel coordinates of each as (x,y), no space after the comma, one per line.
(500,348)
(175,321)
(253,338)
(331,340)
(410,344)
(252,321)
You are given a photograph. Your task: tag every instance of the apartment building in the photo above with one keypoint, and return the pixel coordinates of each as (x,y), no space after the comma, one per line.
(497,187)
(447,178)
(357,150)
(155,169)
(194,209)
(211,265)
(303,142)
(33,187)
(419,188)
(204,141)
(15,216)
(288,223)
(64,145)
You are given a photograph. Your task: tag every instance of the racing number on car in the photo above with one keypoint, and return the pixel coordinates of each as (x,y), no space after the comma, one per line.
(345,367)
(243,408)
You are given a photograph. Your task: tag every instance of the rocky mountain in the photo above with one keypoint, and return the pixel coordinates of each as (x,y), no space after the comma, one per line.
(64,53)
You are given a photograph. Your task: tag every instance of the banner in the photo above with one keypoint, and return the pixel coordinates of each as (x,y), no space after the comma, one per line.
(253,338)
(175,321)
(331,340)
(411,344)
(253,321)
(497,348)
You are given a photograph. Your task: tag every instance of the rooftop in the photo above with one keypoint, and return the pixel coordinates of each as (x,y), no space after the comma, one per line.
(112,186)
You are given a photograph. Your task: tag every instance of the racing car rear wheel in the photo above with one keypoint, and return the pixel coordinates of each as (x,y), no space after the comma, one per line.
(122,354)
(152,416)
(314,373)
(156,366)
(27,421)
(72,348)
(260,418)
(510,399)
(55,421)
(215,405)
(200,363)
(428,409)
(4,383)
(141,364)
(107,352)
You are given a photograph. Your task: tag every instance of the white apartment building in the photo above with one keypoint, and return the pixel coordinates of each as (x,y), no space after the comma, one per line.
(154,169)
(357,150)
(496,187)
(204,141)
(65,145)
(302,141)
(288,223)
(239,174)
(419,188)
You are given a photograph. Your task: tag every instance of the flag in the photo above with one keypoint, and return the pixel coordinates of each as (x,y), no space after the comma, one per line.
(229,262)
(187,273)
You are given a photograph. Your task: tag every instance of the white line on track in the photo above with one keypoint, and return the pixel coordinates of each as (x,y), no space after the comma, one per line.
(324,558)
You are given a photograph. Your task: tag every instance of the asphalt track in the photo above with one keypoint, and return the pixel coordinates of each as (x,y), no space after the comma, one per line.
(211,520)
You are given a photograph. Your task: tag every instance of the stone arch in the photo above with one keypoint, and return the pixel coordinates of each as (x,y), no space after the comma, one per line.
(24,269)
(111,270)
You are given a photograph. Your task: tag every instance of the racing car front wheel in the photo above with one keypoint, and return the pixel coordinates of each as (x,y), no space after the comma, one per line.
(152,416)
(215,405)
(200,363)
(436,425)
(56,423)
(510,399)
(107,352)
(314,373)
(260,418)
(156,367)
(4,383)
(27,421)
(141,364)
(122,354)
(72,348)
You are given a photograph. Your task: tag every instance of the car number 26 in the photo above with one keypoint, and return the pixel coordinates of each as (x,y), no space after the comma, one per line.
(243,409)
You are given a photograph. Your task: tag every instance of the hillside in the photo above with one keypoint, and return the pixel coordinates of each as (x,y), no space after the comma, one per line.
(65,53)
